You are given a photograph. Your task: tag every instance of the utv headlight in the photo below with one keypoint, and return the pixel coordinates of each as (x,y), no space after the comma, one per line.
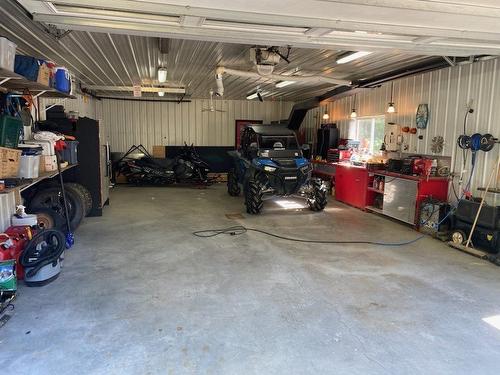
(267,168)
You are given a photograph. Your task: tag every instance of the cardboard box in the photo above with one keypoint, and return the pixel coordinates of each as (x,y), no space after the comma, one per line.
(9,162)
(49,163)
(121,179)
(159,152)
(44,73)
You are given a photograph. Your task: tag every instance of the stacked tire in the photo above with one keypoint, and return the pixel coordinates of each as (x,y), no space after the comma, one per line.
(48,204)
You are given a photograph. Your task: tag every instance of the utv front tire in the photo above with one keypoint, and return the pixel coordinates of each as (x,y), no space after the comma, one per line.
(318,198)
(233,188)
(253,198)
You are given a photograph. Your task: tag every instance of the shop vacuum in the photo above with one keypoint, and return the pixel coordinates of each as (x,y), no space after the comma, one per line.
(43,256)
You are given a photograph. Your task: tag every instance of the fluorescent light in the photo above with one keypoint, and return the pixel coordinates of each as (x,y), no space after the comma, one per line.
(281,84)
(352,56)
(161,93)
(493,321)
(162,75)
(254,95)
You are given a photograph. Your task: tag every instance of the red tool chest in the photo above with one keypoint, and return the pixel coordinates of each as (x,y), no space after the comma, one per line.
(351,186)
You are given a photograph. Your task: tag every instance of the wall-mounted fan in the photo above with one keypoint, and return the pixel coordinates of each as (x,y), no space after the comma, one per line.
(437,144)
(211,108)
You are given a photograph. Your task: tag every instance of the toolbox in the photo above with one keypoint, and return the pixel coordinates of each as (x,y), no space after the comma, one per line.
(10,130)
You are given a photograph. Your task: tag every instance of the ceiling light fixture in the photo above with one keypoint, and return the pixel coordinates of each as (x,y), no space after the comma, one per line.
(162,75)
(353,113)
(391,108)
(256,94)
(326,116)
(281,84)
(161,93)
(352,56)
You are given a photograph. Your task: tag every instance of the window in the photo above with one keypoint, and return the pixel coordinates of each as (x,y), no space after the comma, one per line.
(369,131)
(278,142)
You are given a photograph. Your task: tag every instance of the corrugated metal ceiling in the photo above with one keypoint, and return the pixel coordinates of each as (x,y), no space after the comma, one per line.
(123,60)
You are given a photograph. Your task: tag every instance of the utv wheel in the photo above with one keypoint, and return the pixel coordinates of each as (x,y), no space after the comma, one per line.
(233,188)
(253,197)
(318,198)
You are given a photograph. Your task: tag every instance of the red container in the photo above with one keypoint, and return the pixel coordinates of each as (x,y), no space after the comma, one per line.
(19,237)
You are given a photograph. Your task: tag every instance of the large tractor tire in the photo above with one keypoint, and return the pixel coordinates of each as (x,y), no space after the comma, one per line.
(75,188)
(253,197)
(84,194)
(51,197)
(318,198)
(233,188)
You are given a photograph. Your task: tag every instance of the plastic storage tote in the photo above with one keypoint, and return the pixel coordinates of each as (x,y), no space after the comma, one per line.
(29,166)
(70,153)
(10,130)
(62,80)
(47,146)
(27,66)
(7,54)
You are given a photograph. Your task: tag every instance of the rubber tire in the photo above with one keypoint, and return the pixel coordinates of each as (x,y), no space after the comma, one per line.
(318,200)
(455,236)
(253,197)
(85,194)
(59,221)
(79,189)
(233,188)
(44,198)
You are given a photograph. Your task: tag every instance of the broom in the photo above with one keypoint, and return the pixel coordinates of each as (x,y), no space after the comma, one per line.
(70,237)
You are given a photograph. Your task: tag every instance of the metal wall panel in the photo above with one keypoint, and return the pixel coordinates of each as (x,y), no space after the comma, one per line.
(85,105)
(7,209)
(164,123)
(447,91)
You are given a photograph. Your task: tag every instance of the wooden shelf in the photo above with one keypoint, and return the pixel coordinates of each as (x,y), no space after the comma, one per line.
(30,182)
(11,81)
(375,190)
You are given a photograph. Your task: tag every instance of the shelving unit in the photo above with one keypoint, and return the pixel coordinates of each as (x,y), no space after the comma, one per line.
(375,209)
(35,181)
(406,193)
(13,82)
(375,190)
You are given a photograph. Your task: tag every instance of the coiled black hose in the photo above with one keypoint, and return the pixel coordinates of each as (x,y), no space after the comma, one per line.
(44,248)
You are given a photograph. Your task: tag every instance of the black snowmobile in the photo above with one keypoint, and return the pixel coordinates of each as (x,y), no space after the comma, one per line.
(140,168)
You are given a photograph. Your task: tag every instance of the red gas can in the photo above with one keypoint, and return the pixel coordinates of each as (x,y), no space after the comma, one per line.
(12,244)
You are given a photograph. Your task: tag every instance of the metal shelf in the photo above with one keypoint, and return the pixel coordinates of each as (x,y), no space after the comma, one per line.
(490,190)
(375,209)
(375,190)
(30,182)
(11,81)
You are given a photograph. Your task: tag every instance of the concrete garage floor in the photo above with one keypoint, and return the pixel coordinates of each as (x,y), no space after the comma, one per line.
(140,295)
